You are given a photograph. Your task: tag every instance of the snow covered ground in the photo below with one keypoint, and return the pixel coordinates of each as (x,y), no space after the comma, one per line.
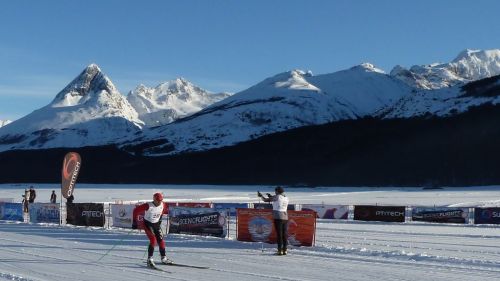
(345,250)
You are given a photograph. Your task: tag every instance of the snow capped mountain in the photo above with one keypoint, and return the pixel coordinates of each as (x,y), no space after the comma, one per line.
(4,122)
(285,101)
(446,101)
(89,111)
(469,65)
(177,116)
(170,101)
(364,88)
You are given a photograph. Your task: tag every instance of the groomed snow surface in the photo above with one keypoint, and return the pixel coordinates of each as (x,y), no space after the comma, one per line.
(345,250)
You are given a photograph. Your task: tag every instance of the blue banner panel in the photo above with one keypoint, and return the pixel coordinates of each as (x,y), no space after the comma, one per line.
(440,214)
(12,212)
(230,208)
(486,215)
(44,212)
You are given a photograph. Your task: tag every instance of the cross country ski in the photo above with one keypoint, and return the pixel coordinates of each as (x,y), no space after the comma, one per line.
(154,267)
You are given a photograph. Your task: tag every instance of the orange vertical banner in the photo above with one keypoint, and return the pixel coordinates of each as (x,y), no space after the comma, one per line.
(257,225)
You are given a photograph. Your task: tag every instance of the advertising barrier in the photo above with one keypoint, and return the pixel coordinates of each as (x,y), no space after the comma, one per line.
(486,215)
(11,211)
(440,214)
(230,208)
(122,215)
(256,225)
(291,207)
(44,212)
(379,213)
(198,221)
(194,204)
(178,211)
(339,212)
(85,214)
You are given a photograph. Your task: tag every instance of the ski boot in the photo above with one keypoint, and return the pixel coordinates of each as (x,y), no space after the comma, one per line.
(166,260)
(151,262)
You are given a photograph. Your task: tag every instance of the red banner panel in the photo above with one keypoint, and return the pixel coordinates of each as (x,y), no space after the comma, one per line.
(257,225)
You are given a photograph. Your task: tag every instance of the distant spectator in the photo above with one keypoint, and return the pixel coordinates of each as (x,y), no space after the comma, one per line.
(32,195)
(53,197)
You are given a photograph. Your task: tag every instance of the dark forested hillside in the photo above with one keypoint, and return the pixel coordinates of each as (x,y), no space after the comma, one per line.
(459,150)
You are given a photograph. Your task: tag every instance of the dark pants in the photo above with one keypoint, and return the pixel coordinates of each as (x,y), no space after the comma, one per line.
(281,227)
(155,235)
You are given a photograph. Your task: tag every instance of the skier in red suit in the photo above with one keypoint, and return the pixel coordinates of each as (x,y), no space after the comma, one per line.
(153,212)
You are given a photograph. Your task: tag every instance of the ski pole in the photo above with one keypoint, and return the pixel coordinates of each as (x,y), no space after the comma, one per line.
(145,252)
(115,245)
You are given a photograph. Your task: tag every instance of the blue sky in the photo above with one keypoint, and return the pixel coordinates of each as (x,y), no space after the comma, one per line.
(223,45)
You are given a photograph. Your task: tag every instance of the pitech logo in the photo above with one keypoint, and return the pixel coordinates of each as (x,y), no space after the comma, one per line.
(92,214)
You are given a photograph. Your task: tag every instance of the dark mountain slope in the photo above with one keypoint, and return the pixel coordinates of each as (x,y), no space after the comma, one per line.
(459,150)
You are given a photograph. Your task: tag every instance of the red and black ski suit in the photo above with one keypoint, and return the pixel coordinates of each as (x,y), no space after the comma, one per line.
(152,222)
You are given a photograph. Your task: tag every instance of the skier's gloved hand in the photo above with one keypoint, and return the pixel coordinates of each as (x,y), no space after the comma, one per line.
(259,194)
(269,195)
(134,226)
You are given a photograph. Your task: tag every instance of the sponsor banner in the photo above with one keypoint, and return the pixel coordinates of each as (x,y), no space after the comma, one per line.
(85,214)
(71,167)
(257,225)
(487,215)
(230,208)
(440,214)
(177,211)
(12,212)
(194,204)
(122,215)
(339,212)
(291,207)
(211,223)
(44,212)
(379,213)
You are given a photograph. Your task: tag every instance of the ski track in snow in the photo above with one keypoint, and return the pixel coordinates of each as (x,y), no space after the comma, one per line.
(365,249)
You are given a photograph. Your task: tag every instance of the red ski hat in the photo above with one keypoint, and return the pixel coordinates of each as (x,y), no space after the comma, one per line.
(158,196)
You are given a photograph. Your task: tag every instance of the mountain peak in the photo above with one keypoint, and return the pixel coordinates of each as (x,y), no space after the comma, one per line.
(170,101)
(366,66)
(469,65)
(90,80)
(483,55)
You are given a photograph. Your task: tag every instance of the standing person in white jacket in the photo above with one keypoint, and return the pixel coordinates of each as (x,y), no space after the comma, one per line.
(280,215)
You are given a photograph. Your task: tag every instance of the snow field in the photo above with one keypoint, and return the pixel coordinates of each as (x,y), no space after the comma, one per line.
(345,250)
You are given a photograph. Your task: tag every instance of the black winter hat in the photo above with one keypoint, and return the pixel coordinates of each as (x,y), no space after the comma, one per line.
(279,189)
